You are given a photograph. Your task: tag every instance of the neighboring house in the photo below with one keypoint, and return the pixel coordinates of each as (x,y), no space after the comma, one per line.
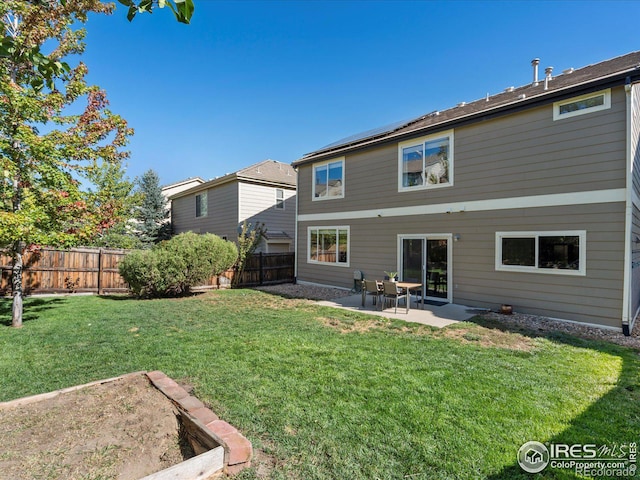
(181,186)
(175,188)
(262,193)
(530,197)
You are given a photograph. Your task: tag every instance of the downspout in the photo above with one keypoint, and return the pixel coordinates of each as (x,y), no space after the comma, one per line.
(295,243)
(626,284)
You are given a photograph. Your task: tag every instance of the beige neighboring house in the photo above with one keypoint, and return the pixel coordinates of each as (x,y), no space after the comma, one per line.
(529,197)
(261,193)
(174,188)
(186,184)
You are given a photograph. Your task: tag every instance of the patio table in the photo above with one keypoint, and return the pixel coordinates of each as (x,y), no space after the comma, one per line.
(408,286)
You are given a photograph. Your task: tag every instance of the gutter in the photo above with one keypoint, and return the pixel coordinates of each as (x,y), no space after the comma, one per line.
(230,178)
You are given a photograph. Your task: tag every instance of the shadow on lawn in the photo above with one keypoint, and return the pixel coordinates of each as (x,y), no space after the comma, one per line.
(129,296)
(600,423)
(32,308)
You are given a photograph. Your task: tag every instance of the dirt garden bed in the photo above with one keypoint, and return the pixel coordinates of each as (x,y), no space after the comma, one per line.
(123,429)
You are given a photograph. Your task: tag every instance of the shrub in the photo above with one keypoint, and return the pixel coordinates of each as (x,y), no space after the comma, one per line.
(175,266)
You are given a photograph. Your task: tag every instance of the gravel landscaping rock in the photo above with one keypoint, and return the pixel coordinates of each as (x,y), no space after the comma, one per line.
(520,320)
(542,324)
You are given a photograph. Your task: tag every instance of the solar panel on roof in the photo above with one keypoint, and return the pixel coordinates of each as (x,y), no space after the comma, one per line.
(369,133)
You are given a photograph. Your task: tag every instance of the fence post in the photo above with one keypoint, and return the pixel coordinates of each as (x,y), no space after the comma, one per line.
(261,280)
(100,272)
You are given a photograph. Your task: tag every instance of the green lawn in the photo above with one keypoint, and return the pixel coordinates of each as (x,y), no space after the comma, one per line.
(331,394)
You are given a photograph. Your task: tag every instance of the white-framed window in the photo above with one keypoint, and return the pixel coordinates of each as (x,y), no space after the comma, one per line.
(591,102)
(328,245)
(328,179)
(201,204)
(426,162)
(558,253)
(279,198)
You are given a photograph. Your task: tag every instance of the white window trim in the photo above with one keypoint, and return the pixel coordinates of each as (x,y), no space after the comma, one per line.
(582,234)
(416,141)
(329,227)
(206,214)
(313,179)
(282,207)
(607,104)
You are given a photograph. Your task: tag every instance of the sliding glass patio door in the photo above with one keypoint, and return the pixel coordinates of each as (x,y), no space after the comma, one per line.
(426,259)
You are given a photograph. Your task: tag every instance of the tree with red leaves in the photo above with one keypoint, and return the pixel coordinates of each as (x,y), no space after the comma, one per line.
(47,150)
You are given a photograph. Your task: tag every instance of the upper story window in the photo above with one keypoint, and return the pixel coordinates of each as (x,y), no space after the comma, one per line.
(426,162)
(542,252)
(591,102)
(279,198)
(201,204)
(328,180)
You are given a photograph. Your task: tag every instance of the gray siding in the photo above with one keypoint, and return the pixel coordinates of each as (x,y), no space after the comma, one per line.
(522,154)
(635,136)
(526,153)
(635,263)
(222,212)
(594,298)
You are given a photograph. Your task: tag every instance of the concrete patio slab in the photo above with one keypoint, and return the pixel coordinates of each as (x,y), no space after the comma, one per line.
(435,316)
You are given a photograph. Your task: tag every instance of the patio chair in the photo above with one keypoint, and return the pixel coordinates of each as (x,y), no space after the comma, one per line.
(390,292)
(373,288)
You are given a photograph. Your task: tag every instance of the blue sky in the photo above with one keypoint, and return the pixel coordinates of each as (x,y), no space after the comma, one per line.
(251,80)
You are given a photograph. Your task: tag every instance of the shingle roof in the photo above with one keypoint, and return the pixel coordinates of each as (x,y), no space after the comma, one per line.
(569,81)
(182,182)
(269,172)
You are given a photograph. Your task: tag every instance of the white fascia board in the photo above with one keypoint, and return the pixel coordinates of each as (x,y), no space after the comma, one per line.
(533,201)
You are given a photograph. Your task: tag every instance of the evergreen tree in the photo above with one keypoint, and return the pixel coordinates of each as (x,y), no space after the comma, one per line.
(153,213)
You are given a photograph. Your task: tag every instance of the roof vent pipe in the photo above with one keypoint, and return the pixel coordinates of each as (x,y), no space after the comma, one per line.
(534,63)
(547,72)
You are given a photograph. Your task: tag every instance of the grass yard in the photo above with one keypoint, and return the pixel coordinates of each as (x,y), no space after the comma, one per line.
(331,394)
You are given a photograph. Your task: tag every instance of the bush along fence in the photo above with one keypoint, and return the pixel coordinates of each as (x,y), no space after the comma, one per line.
(95,270)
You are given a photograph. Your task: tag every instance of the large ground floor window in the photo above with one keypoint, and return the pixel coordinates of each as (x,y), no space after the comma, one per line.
(329,245)
(543,252)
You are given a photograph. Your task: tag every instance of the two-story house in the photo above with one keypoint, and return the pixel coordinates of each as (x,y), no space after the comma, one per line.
(263,193)
(530,197)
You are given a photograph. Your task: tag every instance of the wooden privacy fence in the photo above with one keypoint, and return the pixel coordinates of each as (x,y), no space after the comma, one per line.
(268,268)
(51,270)
(95,270)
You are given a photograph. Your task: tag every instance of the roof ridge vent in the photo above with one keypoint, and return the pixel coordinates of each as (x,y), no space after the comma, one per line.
(569,70)
(462,104)
(509,89)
